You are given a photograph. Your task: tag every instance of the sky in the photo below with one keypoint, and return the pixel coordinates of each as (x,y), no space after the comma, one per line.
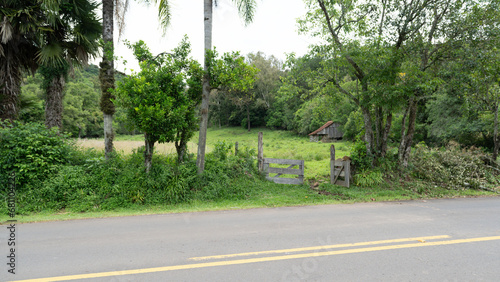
(273,31)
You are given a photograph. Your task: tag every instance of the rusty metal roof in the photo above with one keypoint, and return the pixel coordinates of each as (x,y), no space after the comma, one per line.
(322,127)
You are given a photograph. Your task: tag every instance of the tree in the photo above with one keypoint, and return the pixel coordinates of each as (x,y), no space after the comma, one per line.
(246,9)
(268,78)
(24,24)
(160,100)
(107,74)
(232,76)
(75,38)
(392,50)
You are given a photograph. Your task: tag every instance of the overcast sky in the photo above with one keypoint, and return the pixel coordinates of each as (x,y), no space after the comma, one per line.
(273,31)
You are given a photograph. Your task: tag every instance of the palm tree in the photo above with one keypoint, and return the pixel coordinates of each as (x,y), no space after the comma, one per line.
(246,9)
(75,37)
(107,74)
(21,23)
(116,8)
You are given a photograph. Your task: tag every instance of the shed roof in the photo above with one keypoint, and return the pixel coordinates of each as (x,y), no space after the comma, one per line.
(322,127)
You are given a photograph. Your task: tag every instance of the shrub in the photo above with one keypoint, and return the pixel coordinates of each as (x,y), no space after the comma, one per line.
(30,152)
(452,166)
(359,157)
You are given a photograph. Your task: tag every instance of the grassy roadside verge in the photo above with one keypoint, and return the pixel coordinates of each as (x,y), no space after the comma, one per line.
(87,186)
(268,194)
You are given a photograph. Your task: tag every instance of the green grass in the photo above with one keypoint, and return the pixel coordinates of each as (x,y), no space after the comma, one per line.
(268,194)
(277,144)
(259,194)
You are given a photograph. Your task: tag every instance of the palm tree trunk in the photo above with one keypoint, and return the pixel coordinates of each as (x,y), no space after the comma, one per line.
(200,160)
(10,87)
(54,103)
(106,75)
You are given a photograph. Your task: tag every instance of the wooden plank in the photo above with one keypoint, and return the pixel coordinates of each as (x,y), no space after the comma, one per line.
(285,180)
(347,169)
(342,173)
(284,170)
(266,169)
(279,174)
(341,183)
(337,174)
(282,161)
(301,175)
(332,164)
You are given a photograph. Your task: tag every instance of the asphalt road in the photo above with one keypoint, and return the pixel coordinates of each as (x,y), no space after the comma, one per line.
(434,240)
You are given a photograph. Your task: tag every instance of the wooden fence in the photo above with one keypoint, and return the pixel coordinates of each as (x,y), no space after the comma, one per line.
(340,170)
(289,170)
(264,165)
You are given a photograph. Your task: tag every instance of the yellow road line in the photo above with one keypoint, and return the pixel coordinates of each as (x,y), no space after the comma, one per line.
(322,247)
(263,259)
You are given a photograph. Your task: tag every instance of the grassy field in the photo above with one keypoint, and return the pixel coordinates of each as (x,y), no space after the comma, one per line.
(277,144)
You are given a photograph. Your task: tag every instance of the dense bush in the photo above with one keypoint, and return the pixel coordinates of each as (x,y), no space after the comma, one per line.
(30,152)
(87,182)
(453,167)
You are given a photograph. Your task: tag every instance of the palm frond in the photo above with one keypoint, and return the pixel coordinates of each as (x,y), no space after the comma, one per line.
(6,30)
(246,9)
(121,7)
(51,54)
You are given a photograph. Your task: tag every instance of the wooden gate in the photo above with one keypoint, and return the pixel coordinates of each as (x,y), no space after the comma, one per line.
(340,170)
(280,171)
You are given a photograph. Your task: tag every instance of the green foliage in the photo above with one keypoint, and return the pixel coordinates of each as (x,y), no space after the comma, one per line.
(81,114)
(30,152)
(368,178)
(158,100)
(453,167)
(87,182)
(359,157)
(221,150)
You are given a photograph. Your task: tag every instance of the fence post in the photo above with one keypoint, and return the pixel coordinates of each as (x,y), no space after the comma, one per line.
(236,148)
(332,164)
(347,172)
(301,176)
(260,154)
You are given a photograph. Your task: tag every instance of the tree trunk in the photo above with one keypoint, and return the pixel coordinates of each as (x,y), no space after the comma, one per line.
(108,135)
(379,119)
(368,131)
(181,148)
(205,98)
(496,138)
(407,138)
(148,152)
(54,103)
(10,87)
(106,75)
(385,135)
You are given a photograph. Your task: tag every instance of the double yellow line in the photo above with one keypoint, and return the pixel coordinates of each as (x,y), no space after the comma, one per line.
(418,242)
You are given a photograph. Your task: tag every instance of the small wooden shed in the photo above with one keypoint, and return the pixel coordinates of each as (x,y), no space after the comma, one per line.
(329,132)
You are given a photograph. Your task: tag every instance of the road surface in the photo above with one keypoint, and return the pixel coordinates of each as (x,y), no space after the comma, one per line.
(433,240)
